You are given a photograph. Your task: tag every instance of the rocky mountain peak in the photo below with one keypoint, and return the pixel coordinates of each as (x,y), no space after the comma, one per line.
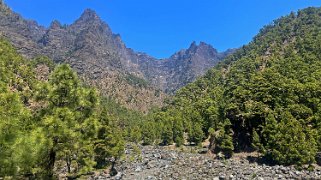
(2,4)
(201,48)
(101,57)
(91,21)
(192,47)
(89,15)
(55,25)
(4,8)
(204,45)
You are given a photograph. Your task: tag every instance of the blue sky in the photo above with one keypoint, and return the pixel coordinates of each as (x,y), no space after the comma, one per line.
(162,27)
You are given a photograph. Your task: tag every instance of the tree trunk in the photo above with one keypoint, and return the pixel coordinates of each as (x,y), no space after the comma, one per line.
(68,161)
(52,159)
(51,163)
(113,170)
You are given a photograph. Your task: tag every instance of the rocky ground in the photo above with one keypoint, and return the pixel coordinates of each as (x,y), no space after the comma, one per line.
(164,163)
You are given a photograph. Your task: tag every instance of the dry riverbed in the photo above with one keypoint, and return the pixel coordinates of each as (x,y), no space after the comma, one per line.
(154,163)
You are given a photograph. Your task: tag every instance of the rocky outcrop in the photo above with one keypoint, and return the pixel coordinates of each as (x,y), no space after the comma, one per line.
(185,66)
(103,60)
(89,46)
(24,34)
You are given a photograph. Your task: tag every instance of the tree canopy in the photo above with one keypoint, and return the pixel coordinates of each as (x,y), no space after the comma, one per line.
(53,122)
(264,97)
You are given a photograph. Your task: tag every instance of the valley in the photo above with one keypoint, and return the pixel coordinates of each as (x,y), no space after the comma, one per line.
(77,103)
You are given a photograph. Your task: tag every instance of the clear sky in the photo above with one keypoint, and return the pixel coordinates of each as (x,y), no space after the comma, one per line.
(162,27)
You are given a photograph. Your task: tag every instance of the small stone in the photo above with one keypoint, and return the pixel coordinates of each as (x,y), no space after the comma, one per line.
(284,170)
(118,176)
(152,164)
(173,155)
(151,177)
(157,155)
(138,169)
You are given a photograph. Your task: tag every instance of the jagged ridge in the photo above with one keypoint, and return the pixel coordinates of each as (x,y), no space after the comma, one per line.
(103,60)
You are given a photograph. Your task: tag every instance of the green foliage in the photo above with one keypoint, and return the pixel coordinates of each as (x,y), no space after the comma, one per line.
(109,145)
(287,142)
(256,141)
(221,139)
(43,122)
(266,96)
(135,134)
(69,121)
(196,133)
(12,115)
(136,81)
(21,143)
(148,133)
(29,151)
(129,121)
(167,131)
(178,131)
(42,60)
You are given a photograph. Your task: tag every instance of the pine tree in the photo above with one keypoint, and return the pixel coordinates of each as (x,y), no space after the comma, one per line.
(167,131)
(256,142)
(13,117)
(196,136)
(109,146)
(70,121)
(148,133)
(109,143)
(288,143)
(178,131)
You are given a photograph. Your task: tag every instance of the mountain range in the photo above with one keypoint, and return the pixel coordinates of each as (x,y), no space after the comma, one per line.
(101,58)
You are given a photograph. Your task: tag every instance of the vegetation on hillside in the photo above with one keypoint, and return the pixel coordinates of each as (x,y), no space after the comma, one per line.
(55,123)
(264,97)
(136,81)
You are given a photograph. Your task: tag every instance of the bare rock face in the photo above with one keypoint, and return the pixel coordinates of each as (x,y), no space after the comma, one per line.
(103,60)
(183,67)
(23,33)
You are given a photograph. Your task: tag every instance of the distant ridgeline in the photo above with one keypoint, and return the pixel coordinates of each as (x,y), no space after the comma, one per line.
(265,97)
(102,59)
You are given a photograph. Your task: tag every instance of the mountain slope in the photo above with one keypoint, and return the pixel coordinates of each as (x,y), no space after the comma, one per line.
(264,97)
(23,33)
(88,46)
(102,59)
(183,67)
